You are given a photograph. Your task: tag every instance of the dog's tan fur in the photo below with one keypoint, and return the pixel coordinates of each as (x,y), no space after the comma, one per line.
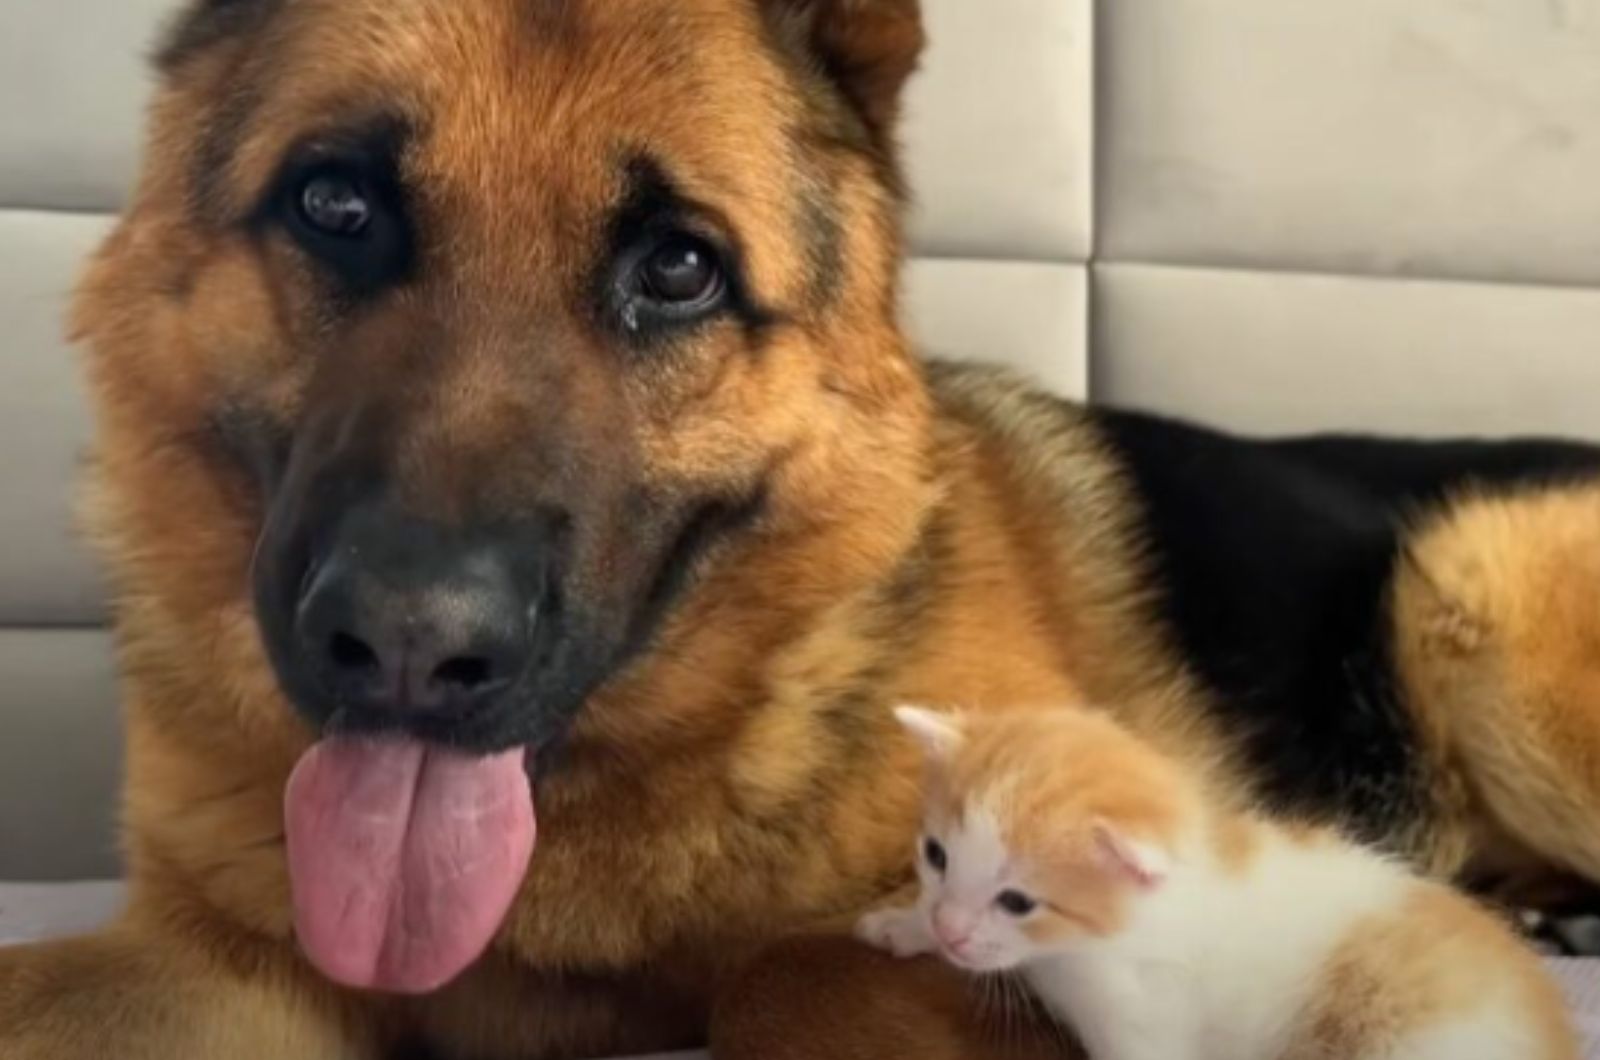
(737,793)
(1501,653)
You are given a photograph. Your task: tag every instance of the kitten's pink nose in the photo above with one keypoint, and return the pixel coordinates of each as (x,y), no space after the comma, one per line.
(952,925)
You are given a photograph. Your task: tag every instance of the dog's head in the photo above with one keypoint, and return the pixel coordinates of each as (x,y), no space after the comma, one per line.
(476,336)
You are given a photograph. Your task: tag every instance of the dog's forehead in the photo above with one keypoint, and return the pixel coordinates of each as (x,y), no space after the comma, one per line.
(516,128)
(539,66)
(501,95)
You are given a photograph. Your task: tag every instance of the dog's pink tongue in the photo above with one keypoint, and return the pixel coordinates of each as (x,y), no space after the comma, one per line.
(403,858)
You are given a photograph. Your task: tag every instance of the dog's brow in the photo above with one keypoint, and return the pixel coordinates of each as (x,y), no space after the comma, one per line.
(372,140)
(647,190)
(649,197)
(552,19)
(204,24)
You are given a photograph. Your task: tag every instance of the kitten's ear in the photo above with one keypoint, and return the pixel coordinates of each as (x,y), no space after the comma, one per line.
(939,734)
(1138,861)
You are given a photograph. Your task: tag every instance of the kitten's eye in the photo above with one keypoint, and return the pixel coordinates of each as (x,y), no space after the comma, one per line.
(933,853)
(1016,903)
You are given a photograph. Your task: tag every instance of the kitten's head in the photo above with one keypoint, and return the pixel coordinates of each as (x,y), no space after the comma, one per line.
(1042,828)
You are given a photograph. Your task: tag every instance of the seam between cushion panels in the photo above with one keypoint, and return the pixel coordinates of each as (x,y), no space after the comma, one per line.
(49,210)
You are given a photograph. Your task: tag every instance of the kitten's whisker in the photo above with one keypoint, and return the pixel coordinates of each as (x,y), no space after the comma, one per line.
(1002,1000)
(1026,1011)
(1005,988)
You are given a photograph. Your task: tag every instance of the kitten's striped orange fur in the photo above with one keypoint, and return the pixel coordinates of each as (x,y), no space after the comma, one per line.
(1165,919)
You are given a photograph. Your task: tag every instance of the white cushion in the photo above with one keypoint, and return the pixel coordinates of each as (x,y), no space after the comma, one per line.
(1407,137)
(59,755)
(33,912)
(1034,319)
(45,576)
(1285,351)
(999,130)
(73,80)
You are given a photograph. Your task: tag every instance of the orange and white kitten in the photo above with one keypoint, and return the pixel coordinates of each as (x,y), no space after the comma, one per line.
(1161,923)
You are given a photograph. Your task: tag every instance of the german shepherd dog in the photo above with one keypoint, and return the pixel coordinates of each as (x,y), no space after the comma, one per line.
(501,404)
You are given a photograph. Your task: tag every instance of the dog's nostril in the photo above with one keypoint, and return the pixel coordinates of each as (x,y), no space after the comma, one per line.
(352,653)
(466,672)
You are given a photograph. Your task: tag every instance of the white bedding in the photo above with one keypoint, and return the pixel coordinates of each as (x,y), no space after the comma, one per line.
(35,911)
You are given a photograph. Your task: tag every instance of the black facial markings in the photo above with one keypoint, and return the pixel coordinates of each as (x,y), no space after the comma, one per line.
(223,127)
(707,523)
(253,441)
(205,23)
(559,21)
(357,167)
(821,233)
(791,42)
(651,212)
(412,1050)
(1273,562)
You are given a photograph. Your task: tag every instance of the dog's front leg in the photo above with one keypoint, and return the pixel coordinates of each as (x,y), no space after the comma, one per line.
(834,998)
(133,995)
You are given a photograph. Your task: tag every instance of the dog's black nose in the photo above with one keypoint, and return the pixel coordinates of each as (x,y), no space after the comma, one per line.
(425,626)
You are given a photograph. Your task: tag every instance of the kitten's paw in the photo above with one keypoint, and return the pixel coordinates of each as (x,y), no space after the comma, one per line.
(899,931)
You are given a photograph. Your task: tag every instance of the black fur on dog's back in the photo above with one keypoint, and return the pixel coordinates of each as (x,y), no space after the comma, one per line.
(1273,561)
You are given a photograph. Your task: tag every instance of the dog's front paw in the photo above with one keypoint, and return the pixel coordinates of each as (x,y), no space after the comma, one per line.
(901,932)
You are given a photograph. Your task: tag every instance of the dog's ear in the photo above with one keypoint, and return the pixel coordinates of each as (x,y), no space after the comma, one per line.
(867,48)
(201,23)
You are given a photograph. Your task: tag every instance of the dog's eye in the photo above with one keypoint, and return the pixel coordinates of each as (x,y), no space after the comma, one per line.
(683,272)
(1016,903)
(334,204)
(348,214)
(934,854)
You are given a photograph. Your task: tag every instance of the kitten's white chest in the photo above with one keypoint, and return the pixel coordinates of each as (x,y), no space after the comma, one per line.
(1123,1009)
